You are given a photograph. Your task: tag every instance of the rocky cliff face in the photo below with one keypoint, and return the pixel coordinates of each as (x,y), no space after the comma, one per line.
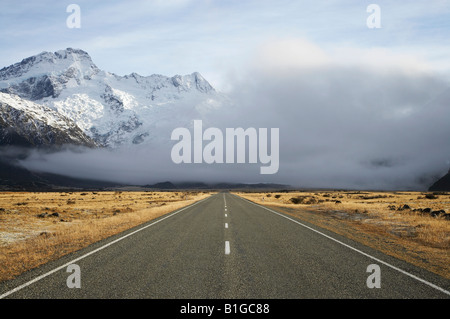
(24,123)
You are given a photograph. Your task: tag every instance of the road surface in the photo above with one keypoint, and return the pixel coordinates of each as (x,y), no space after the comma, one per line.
(225,247)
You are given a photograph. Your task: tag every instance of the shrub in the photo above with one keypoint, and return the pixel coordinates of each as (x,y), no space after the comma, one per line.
(297,200)
(21,204)
(303,200)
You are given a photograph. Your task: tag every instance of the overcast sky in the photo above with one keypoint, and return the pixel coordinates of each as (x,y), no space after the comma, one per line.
(356,106)
(218,37)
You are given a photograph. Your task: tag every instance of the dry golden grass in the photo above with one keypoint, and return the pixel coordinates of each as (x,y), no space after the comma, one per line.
(71,221)
(373,218)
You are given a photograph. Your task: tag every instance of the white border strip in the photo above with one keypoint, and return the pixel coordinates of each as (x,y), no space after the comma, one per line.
(95,251)
(352,248)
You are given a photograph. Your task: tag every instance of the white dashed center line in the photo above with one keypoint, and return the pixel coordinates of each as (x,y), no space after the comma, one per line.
(227,247)
(227,243)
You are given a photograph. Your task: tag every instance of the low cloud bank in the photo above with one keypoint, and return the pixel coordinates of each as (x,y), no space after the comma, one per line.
(378,121)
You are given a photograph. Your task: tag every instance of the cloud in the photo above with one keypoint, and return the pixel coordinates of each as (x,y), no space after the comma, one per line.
(376,119)
(342,124)
(282,54)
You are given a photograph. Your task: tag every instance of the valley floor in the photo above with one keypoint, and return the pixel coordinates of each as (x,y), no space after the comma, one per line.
(37,227)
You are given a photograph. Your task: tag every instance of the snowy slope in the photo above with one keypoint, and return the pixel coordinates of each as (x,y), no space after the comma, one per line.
(114,110)
(26,123)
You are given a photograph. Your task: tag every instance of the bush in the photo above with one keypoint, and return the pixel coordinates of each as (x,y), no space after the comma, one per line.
(21,204)
(297,200)
(303,200)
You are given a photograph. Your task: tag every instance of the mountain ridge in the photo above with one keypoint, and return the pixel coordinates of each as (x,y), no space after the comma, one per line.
(111,109)
(442,184)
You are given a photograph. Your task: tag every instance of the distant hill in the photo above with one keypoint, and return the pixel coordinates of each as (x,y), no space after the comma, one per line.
(200,185)
(162,185)
(13,177)
(443,184)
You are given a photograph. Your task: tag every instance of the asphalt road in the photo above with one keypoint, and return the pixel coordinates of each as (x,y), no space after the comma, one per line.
(225,247)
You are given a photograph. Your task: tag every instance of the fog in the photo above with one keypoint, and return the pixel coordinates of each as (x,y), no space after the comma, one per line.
(378,121)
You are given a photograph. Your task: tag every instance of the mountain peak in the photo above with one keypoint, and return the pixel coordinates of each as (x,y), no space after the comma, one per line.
(201,82)
(194,80)
(52,57)
(72,51)
(50,63)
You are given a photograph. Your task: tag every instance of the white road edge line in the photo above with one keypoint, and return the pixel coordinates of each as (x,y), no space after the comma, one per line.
(94,251)
(357,250)
(227,247)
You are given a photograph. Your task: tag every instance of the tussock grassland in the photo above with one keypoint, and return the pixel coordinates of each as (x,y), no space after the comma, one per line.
(412,226)
(39,227)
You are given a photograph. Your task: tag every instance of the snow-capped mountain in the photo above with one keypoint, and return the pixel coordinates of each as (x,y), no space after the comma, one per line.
(113,110)
(26,123)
